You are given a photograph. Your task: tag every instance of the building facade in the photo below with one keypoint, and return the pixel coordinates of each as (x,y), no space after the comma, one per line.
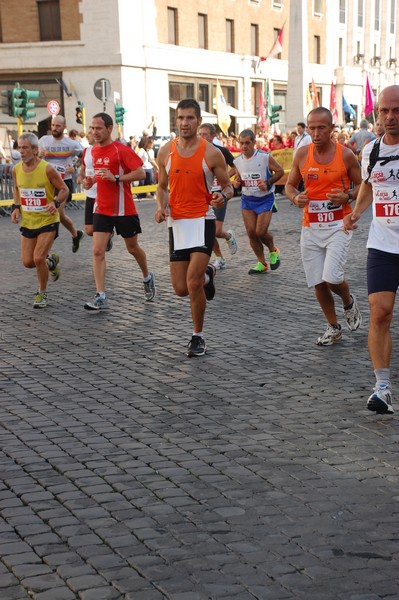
(153,53)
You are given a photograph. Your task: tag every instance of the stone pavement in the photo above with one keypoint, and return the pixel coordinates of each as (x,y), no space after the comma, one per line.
(129,471)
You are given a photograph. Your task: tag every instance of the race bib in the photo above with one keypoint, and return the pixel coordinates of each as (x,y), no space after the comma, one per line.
(388,211)
(188,233)
(324,214)
(60,170)
(33,200)
(250,181)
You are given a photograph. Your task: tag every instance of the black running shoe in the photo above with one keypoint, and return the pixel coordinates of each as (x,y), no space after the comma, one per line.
(196,346)
(76,241)
(210,286)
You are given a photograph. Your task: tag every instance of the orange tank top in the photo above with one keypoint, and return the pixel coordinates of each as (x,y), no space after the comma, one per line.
(319,180)
(190,182)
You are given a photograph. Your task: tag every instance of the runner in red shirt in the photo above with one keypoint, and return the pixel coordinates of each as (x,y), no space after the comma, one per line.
(115,167)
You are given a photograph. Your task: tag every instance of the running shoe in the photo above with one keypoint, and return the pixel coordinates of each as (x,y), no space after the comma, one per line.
(232,242)
(275,259)
(149,288)
(219,263)
(99,303)
(110,243)
(260,267)
(210,286)
(40,300)
(196,346)
(380,400)
(332,335)
(353,316)
(53,266)
(76,241)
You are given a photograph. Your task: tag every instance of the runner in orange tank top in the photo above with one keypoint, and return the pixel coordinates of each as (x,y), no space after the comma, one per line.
(327,170)
(189,165)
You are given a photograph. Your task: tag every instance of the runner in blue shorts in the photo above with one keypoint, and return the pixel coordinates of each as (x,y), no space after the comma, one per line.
(258,171)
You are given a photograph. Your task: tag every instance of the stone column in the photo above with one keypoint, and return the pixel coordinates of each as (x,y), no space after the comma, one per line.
(298,61)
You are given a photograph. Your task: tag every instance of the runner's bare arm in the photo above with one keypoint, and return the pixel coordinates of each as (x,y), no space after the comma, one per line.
(291,187)
(276,169)
(162,188)
(340,195)
(17,200)
(363,201)
(62,190)
(216,161)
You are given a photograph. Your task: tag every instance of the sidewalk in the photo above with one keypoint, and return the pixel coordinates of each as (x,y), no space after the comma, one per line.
(129,471)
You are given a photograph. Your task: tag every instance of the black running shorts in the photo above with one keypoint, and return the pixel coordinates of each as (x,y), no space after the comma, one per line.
(127,227)
(382,271)
(184,255)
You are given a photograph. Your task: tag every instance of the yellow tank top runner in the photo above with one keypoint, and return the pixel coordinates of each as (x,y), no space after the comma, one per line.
(36,192)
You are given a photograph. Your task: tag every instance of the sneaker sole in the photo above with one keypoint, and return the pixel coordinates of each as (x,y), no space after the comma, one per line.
(275,266)
(330,343)
(92,308)
(40,306)
(379,406)
(257,272)
(357,325)
(191,354)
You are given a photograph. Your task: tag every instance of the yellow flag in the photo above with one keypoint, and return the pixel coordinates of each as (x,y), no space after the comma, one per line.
(222,111)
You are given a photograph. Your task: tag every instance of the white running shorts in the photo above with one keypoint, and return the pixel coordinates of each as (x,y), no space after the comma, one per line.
(324,253)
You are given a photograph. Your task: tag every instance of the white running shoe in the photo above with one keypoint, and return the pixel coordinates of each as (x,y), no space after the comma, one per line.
(380,400)
(219,263)
(232,242)
(99,303)
(332,335)
(149,288)
(353,316)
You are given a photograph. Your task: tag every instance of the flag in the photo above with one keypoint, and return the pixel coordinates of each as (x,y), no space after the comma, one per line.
(347,108)
(333,104)
(308,101)
(277,47)
(222,111)
(315,96)
(261,112)
(268,101)
(369,101)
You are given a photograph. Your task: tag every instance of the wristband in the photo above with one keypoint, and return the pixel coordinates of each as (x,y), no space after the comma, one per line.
(349,200)
(14,206)
(57,203)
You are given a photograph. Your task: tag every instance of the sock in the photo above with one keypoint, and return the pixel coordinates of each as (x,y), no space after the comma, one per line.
(349,306)
(147,279)
(335,325)
(101,294)
(200,334)
(382,376)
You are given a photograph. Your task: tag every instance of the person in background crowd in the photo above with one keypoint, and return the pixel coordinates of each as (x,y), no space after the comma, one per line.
(60,150)
(361,137)
(303,138)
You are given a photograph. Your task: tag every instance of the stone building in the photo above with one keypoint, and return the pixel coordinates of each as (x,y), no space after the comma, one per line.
(155,52)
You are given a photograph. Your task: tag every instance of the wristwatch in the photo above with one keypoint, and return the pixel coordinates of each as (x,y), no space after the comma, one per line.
(225,198)
(117,178)
(57,203)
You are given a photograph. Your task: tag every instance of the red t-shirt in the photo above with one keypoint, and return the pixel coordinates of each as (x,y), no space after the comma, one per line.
(114,200)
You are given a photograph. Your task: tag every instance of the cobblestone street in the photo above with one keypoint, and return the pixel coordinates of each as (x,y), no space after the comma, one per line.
(129,471)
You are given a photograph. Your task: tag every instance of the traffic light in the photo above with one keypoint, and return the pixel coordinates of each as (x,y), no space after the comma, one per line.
(6,104)
(275,116)
(79,112)
(27,104)
(119,114)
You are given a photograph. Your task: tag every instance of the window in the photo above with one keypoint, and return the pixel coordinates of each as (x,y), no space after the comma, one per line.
(254,39)
(316,49)
(229,35)
(342,11)
(340,52)
(360,13)
(278,4)
(49,20)
(377,15)
(392,17)
(203,96)
(317,7)
(202,31)
(276,34)
(172,26)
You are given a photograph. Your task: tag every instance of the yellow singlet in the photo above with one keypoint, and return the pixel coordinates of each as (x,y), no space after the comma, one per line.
(36,192)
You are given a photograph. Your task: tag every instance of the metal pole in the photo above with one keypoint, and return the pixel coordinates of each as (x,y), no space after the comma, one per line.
(19,126)
(103,94)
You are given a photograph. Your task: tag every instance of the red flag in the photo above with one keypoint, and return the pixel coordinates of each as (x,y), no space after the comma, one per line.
(277,47)
(333,104)
(315,96)
(369,103)
(261,112)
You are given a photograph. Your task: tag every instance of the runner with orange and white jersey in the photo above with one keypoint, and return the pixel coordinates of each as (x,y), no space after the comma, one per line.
(380,188)
(328,171)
